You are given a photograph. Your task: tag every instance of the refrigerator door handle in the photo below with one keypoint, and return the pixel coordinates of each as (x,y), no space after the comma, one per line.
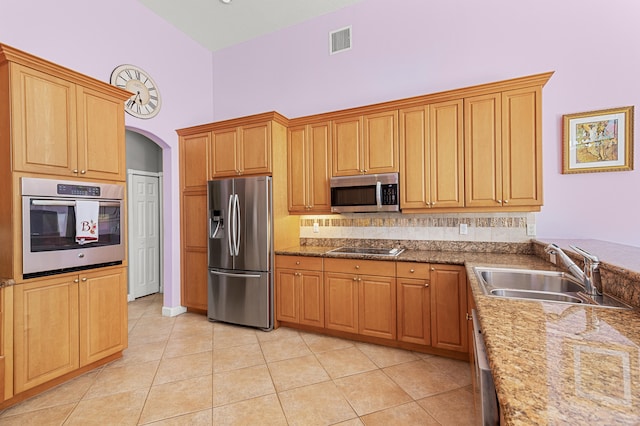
(231,225)
(239,223)
(228,274)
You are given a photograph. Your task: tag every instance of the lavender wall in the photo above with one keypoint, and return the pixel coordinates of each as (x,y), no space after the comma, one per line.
(411,47)
(94,40)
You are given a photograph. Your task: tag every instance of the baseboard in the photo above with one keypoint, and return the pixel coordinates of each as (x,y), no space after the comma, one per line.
(130,297)
(172,312)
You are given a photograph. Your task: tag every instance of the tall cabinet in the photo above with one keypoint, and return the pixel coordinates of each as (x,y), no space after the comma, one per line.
(59,124)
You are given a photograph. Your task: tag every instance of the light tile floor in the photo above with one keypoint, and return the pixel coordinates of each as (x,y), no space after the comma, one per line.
(185,370)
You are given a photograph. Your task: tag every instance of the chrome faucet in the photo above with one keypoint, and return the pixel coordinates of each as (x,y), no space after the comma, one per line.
(590,276)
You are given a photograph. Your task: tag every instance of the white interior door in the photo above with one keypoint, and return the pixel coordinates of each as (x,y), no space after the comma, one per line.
(144,235)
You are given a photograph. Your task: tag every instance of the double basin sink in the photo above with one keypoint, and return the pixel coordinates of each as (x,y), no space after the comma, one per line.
(550,286)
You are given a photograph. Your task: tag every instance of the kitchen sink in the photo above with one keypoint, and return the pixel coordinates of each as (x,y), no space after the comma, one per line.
(539,295)
(526,279)
(540,285)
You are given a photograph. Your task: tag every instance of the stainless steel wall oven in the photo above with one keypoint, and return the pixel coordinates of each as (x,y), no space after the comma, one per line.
(52,224)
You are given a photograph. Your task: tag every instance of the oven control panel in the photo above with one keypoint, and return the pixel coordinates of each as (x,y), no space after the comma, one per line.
(85,190)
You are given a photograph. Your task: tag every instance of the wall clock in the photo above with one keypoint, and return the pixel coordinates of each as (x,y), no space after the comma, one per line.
(145,101)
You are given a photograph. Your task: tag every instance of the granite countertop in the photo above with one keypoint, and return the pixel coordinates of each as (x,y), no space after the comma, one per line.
(552,363)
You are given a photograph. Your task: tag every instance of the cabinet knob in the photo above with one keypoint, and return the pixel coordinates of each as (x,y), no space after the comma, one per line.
(426,284)
(355,278)
(83,171)
(76,280)
(365,170)
(433,269)
(297,262)
(75,170)
(499,201)
(412,270)
(433,203)
(506,201)
(84,279)
(357,266)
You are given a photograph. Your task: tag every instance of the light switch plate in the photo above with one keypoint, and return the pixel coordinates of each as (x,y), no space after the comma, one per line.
(316,227)
(464,229)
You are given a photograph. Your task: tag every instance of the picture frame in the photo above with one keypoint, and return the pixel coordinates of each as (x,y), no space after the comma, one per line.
(598,141)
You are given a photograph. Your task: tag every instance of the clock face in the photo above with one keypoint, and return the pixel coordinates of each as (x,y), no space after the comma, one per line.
(145,101)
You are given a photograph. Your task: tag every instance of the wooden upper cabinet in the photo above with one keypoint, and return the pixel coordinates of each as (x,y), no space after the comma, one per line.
(483,150)
(63,128)
(43,122)
(244,150)
(522,147)
(504,149)
(101,136)
(255,149)
(431,153)
(225,152)
(366,144)
(194,161)
(309,170)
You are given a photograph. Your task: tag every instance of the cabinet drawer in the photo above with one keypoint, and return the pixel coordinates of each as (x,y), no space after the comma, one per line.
(413,270)
(361,267)
(299,262)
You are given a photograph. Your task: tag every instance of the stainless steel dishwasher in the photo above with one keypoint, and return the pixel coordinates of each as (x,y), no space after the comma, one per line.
(486,399)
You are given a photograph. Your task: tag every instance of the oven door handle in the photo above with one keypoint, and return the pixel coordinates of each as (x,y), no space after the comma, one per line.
(70,203)
(379,194)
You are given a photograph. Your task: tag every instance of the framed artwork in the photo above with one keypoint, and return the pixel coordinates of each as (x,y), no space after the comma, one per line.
(598,141)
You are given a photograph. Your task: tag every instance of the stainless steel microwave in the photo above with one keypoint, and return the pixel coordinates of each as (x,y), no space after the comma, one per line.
(365,193)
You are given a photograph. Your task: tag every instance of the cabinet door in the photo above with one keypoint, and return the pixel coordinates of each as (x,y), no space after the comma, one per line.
(449,308)
(255,151)
(380,142)
(319,150)
(483,151)
(347,146)
(377,306)
(43,122)
(194,280)
(522,147)
(446,154)
(297,170)
(194,250)
(46,331)
(414,311)
(101,137)
(341,302)
(194,161)
(414,158)
(225,155)
(311,298)
(103,314)
(287,295)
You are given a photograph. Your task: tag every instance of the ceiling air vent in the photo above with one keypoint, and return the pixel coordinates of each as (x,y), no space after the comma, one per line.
(340,40)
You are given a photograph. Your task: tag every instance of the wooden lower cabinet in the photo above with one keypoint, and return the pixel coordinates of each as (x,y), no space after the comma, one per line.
(449,308)
(46,336)
(61,324)
(360,297)
(341,302)
(300,290)
(103,314)
(414,303)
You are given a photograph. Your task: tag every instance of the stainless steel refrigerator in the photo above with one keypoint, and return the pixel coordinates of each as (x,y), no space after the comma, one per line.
(240,284)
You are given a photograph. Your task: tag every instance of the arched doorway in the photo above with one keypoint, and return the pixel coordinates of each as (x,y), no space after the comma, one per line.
(144,218)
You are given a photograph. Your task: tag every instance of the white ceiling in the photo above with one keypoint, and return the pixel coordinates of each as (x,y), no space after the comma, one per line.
(216,25)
